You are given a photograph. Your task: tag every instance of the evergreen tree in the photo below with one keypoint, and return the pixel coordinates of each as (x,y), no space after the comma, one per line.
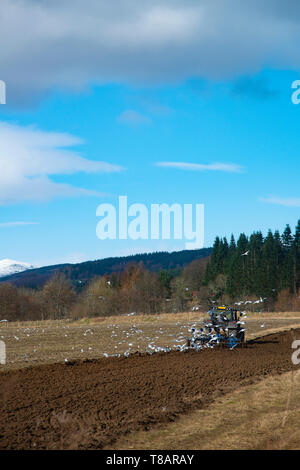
(232,245)
(297,254)
(255,249)
(268,268)
(238,279)
(287,238)
(212,267)
(258,266)
(289,266)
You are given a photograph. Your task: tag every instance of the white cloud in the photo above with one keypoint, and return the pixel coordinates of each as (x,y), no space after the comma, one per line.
(71,43)
(132,117)
(28,157)
(287,202)
(226,167)
(17,224)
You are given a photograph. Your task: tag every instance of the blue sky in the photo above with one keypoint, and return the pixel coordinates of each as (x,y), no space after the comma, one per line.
(65,149)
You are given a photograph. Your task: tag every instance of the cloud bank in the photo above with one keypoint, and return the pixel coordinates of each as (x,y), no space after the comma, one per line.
(72,43)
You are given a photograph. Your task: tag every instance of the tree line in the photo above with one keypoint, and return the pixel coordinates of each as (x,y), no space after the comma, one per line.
(260,272)
(263,267)
(134,290)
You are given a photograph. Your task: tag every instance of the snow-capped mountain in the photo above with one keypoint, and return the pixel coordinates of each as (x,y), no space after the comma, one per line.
(9,266)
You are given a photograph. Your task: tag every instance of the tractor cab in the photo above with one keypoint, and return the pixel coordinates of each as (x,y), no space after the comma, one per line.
(222,316)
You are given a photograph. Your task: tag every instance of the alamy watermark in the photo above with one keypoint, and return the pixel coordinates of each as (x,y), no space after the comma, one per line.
(296,94)
(2,92)
(135,222)
(2,353)
(296,354)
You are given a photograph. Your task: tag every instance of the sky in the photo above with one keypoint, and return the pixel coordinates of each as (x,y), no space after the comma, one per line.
(186,102)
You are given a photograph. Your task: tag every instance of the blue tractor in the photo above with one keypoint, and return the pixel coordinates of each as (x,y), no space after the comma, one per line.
(224,327)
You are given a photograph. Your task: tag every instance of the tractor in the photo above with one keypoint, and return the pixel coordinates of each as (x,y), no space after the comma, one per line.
(224,328)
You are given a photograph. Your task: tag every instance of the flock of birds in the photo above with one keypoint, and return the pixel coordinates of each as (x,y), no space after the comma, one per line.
(151,347)
(130,339)
(245,302)
(122,342)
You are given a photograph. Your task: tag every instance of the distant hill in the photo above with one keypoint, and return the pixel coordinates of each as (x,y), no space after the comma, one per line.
(80,273)
(9,267)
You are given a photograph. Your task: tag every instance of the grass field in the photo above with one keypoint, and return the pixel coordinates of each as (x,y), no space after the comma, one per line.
(33,343)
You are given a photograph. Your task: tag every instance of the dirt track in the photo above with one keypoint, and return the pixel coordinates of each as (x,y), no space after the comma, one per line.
(89,404)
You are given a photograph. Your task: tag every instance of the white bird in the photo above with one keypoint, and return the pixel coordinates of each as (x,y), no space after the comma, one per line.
(262,326)
(246,253)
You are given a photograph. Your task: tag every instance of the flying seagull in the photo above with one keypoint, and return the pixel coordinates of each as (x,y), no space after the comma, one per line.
(246,253)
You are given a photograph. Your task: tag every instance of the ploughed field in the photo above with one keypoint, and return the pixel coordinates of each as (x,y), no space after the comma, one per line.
(47,342)
(89,403)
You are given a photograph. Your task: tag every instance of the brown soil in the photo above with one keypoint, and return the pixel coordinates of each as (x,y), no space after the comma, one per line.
(89,404)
